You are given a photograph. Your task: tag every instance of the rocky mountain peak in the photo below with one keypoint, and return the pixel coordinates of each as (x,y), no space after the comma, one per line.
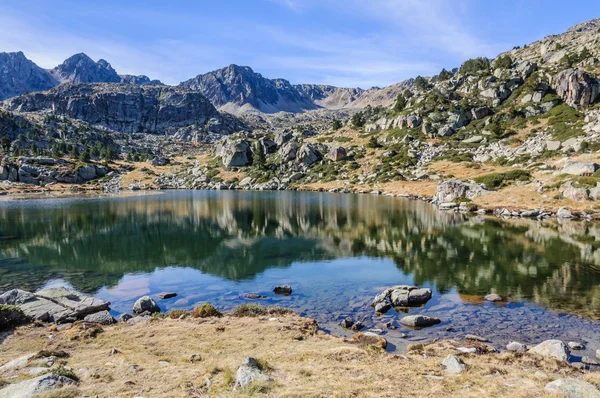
(20,75)
(80,68)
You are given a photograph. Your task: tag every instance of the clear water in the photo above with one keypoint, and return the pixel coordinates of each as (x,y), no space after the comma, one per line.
(337,251)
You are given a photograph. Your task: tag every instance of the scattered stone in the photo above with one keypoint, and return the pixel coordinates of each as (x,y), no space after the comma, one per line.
(563,212)
(454,365)
(357,326)
(382,308)
(285,290)
(347,323)
(145,303)
(573,388)
(493,297)
(254,296)
(124,317)
(516,346)
(467,350)
(35,386)
(589,361)
(250,371)
(552,349)
(476,338)
(166,295)
(580,168)
(102,317)
(419,321)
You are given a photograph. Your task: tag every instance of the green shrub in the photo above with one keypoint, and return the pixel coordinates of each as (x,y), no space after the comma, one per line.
(373,143)
(400,103)
(205,311)
(11,316)
(358,120)
(337,124)
(444,75)
(252,310)
(475,65)
(421,83)
(497,180)
(503,62)
(176,314)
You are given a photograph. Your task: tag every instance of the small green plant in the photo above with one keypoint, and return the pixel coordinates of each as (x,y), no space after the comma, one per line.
(249,310)
(421,83)
(11,316)
(475,65)
(400,103)
(373,143)
(205,311)
(503,62)
(337,124)
(497,180)
(444,75)
(176,314)
(66,372)
(229,377)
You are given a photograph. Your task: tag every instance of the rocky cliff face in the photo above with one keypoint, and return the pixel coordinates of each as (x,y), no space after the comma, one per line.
(122,107)
(80,68)
(20,75)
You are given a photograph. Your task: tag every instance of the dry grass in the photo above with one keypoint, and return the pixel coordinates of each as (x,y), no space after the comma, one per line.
(462,171)
(174,358)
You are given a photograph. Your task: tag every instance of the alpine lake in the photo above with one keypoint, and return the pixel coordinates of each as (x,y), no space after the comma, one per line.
(336,251)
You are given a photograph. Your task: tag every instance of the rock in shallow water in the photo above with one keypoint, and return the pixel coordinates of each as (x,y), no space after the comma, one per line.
(493,297)
(419,321)
(285,289)
(573,388)
(144,304)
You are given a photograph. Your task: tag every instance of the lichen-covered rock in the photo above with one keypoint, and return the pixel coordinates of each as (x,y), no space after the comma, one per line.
(307,154)
(33,387)
(580,168)
(454,365)
(234,153)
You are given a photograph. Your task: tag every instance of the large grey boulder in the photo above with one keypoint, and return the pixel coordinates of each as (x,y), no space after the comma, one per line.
(576,87)
(86,172)
(307,154)
(16,364)
(580,168)
(267,145)
(234,153)
(552,349)
(480,112)
(447,191)
(516,346)
(145,304)
(419,321)
(250,371)
(74,301)
(33,387)
(283,136)
(288,151)
(573,388)
(336,153)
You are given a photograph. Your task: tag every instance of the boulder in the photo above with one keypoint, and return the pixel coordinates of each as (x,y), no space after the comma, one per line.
(16,364)
(235,153)
(267,145)
(288,151)
(36,386)
(78,303)
(576,87)
(250,371)
(419,321)
(307,154)
(552,349)
(413,121)
(573,388)
(447,191)
(476,139)
(480,113)
(454,365)
(493,297)
(446,131)
(564,212)
(145,304)
(281,137)
(336,153)
(285,289)
(86,172)
(552,145)
(102,317)
(580,168)
(576,194)
(516,346)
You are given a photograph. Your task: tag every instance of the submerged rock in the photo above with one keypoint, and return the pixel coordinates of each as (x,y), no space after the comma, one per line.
(552,349)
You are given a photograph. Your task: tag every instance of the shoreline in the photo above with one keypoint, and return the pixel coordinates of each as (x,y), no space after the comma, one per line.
(514,212)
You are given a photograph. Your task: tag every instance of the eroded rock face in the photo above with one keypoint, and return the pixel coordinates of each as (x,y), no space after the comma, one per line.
(576,87)
(307,154)
(447,191)
(20,75)
(80,68)
(235,153)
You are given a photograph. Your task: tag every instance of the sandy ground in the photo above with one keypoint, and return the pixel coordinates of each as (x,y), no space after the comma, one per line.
(175,358)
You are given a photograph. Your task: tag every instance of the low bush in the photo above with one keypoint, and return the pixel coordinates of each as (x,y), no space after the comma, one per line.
(205,311)
(11,316)
(498,180)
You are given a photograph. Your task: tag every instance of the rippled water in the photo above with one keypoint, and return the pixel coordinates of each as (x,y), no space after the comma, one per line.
(337,251)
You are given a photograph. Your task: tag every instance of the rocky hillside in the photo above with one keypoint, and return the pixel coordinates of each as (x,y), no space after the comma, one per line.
(19,75)
(123,107)
(238,89)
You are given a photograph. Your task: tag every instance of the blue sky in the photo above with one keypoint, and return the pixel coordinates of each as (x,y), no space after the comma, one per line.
(350,43)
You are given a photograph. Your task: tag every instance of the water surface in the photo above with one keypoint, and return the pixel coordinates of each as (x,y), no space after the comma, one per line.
(337,251)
